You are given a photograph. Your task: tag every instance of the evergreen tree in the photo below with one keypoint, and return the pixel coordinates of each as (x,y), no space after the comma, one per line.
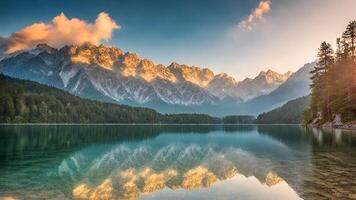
(325,57)
(350,36)
(349,66)
(8,108)
(321,89)
(338,50)
(334,80)
(345,52)
(2,84)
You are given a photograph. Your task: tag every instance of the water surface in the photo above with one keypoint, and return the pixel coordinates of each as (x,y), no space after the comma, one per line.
(176,162)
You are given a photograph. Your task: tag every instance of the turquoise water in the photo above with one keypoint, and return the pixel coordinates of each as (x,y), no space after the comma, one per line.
(176,162)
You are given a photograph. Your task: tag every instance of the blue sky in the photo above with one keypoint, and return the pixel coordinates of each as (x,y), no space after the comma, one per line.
(204,33)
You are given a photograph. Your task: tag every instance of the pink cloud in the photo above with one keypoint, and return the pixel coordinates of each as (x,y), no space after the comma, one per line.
(257,14)
(61,31)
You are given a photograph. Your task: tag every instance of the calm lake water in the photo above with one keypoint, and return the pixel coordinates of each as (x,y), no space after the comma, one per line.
(176,162)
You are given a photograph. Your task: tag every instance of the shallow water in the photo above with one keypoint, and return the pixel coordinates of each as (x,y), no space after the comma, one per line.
(176,162)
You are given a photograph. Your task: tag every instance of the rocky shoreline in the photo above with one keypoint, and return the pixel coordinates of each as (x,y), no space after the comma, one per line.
(346,126)
(335,124)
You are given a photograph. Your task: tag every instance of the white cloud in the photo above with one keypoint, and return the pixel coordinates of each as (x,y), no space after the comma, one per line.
(290,38)
(61,31)
(256,15)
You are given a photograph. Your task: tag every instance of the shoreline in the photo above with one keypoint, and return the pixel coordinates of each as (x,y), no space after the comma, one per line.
(329,125)
(113,124)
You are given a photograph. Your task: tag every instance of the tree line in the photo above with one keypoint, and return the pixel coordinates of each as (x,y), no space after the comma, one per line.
(24,101)
(289,113)
(333,89)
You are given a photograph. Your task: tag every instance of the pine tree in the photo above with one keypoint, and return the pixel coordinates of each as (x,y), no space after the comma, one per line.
(345,52)
(2,84)
(321,88)
(338,50)
(350,37)
(325,57)
(8,108)
(350,66)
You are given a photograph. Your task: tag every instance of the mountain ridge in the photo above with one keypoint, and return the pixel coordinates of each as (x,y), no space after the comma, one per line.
(297,85)
(109,74)
(264,83)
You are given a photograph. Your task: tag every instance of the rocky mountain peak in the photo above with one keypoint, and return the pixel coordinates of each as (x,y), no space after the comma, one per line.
(264,83)
(288,74)
(193,74)
(269,72)
(148,71)
(272,77)
(223,86)
(226,78)
(92,54)
(41,48)
(128,63)
(44,46)
(130,59)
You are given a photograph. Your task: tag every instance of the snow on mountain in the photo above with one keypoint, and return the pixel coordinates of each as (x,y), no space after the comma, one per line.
(262,84)
(196,75)
(297,85)
(101,55)
(94,71)
(109,74)
(223,86)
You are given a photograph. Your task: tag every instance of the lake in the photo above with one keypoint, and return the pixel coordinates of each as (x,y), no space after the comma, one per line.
(176,162)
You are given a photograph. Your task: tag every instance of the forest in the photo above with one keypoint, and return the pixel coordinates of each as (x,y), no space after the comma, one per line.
(289,113)
(334,81)
(29,102)
(24,101)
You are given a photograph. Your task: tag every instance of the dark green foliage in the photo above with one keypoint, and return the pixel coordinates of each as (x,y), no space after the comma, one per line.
(243,119)
(26,101)
(349,37)
(29,102)
(334,81)
(191,119)
(289,113)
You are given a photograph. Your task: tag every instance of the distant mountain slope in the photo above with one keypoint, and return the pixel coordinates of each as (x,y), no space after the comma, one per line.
(263,84)
(297,85)
(289,113)
(108,74)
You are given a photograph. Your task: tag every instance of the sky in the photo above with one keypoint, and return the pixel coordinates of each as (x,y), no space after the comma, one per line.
(238,37)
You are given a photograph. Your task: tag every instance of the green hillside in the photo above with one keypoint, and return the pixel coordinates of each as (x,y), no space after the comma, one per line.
(30,102)
(289,113)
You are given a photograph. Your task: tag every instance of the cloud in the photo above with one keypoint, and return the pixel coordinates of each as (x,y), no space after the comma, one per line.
(256,15)
(59,32)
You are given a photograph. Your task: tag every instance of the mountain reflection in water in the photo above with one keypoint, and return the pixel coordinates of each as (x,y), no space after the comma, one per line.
(124,173)
(175,162)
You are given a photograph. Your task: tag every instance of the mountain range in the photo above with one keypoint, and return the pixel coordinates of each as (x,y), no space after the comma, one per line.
(108,74)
